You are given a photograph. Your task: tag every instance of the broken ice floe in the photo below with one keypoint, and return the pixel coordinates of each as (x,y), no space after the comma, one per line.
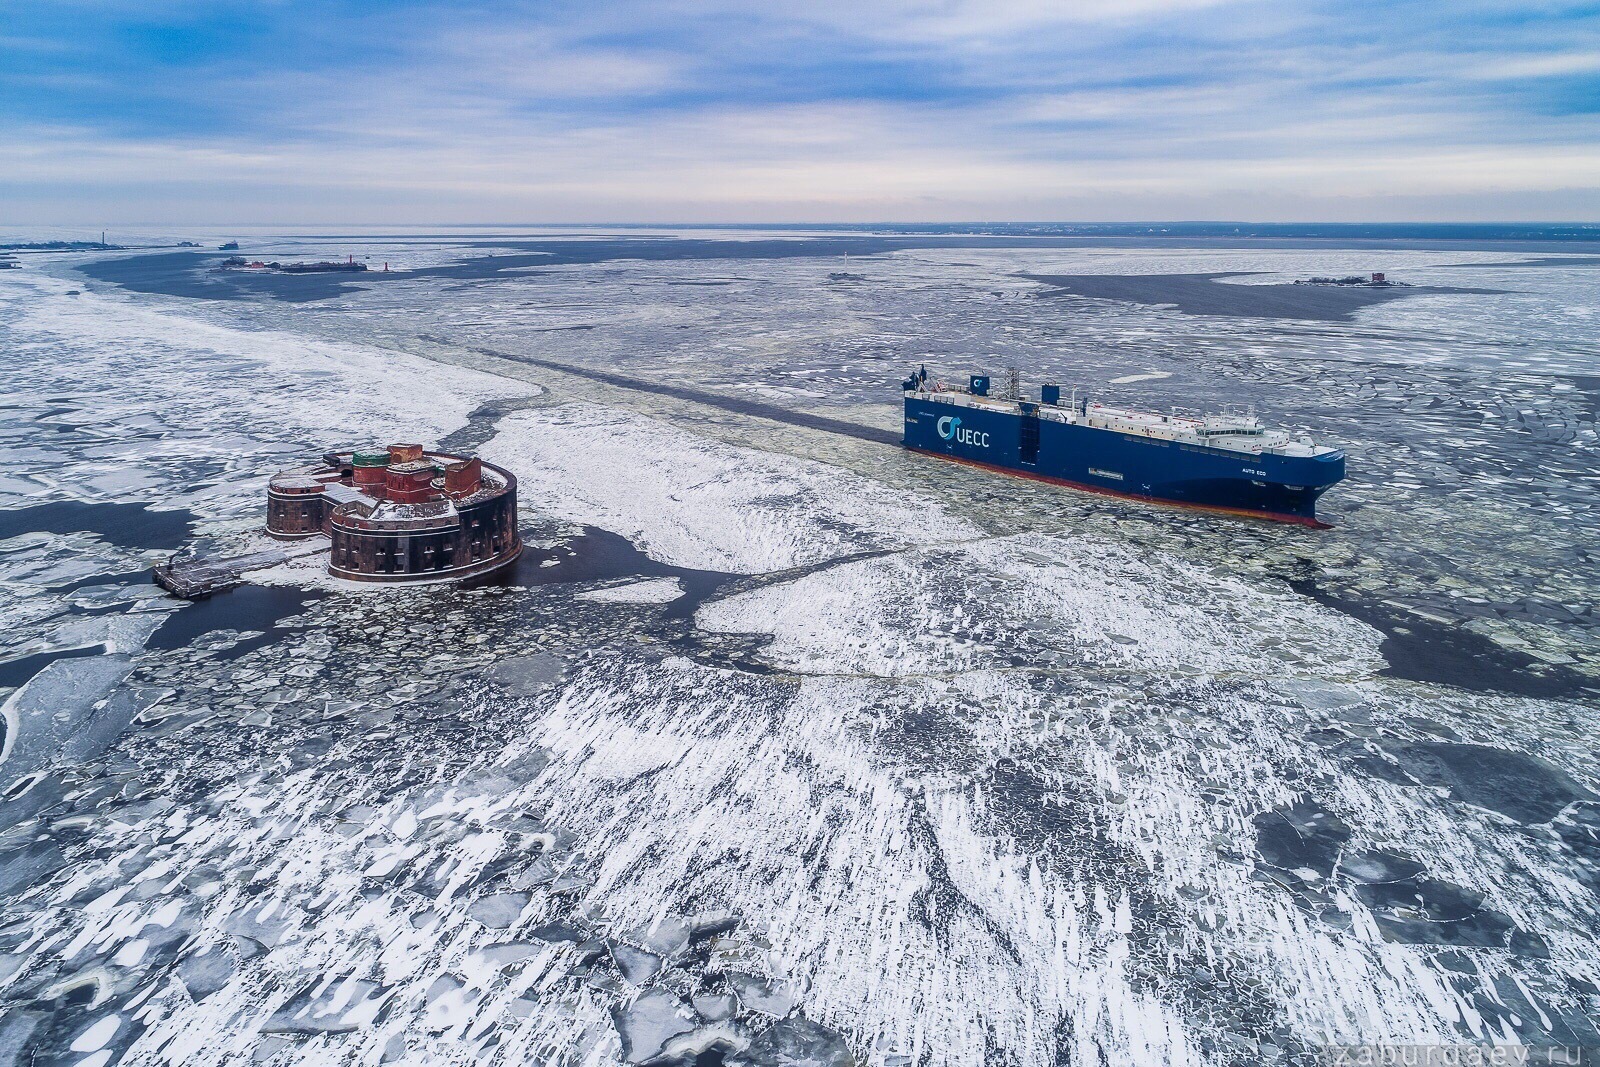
(654,591)
(331,1006)
(526,674)
(66,711)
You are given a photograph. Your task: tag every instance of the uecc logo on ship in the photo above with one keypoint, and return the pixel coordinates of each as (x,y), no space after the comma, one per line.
(949,428)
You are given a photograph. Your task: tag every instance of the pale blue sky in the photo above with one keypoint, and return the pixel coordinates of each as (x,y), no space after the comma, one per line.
(293,111)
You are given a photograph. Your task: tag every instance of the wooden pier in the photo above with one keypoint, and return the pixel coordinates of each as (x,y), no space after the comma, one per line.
(194,579)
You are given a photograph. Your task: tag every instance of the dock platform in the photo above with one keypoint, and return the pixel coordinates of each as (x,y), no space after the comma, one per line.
(197,578)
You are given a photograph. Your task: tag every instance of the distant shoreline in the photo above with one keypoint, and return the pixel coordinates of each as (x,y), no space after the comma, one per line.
(189,274)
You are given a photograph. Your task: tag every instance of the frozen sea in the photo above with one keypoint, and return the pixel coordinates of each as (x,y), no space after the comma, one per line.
(781,745)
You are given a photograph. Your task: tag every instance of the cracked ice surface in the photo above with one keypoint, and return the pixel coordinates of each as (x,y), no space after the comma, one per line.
(945,770)
(1031,601)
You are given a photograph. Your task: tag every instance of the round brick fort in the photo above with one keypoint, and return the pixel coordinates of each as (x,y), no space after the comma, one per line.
(401,514)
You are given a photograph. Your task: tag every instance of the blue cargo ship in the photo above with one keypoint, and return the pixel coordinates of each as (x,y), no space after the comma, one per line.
(1226,462)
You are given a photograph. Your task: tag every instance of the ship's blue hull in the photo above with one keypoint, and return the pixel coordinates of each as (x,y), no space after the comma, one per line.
(1106,461)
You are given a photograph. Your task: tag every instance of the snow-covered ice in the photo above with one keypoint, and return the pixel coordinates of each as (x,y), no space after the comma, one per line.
(872,759)
(695,502)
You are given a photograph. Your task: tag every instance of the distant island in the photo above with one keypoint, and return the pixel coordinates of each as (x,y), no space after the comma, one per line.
(61,246)
(323,267)
(1374,281)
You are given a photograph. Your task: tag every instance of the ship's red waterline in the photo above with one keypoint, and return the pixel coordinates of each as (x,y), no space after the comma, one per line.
(1265,516)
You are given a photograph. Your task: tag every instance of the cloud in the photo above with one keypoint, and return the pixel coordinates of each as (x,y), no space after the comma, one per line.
(1551,65)
(729,109)
(840,154)
(539,64)
(970,20)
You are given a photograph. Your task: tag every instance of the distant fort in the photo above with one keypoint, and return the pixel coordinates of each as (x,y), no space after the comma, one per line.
(400,514)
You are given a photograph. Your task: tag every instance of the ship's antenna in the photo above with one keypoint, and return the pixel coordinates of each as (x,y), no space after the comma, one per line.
(1013,384)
